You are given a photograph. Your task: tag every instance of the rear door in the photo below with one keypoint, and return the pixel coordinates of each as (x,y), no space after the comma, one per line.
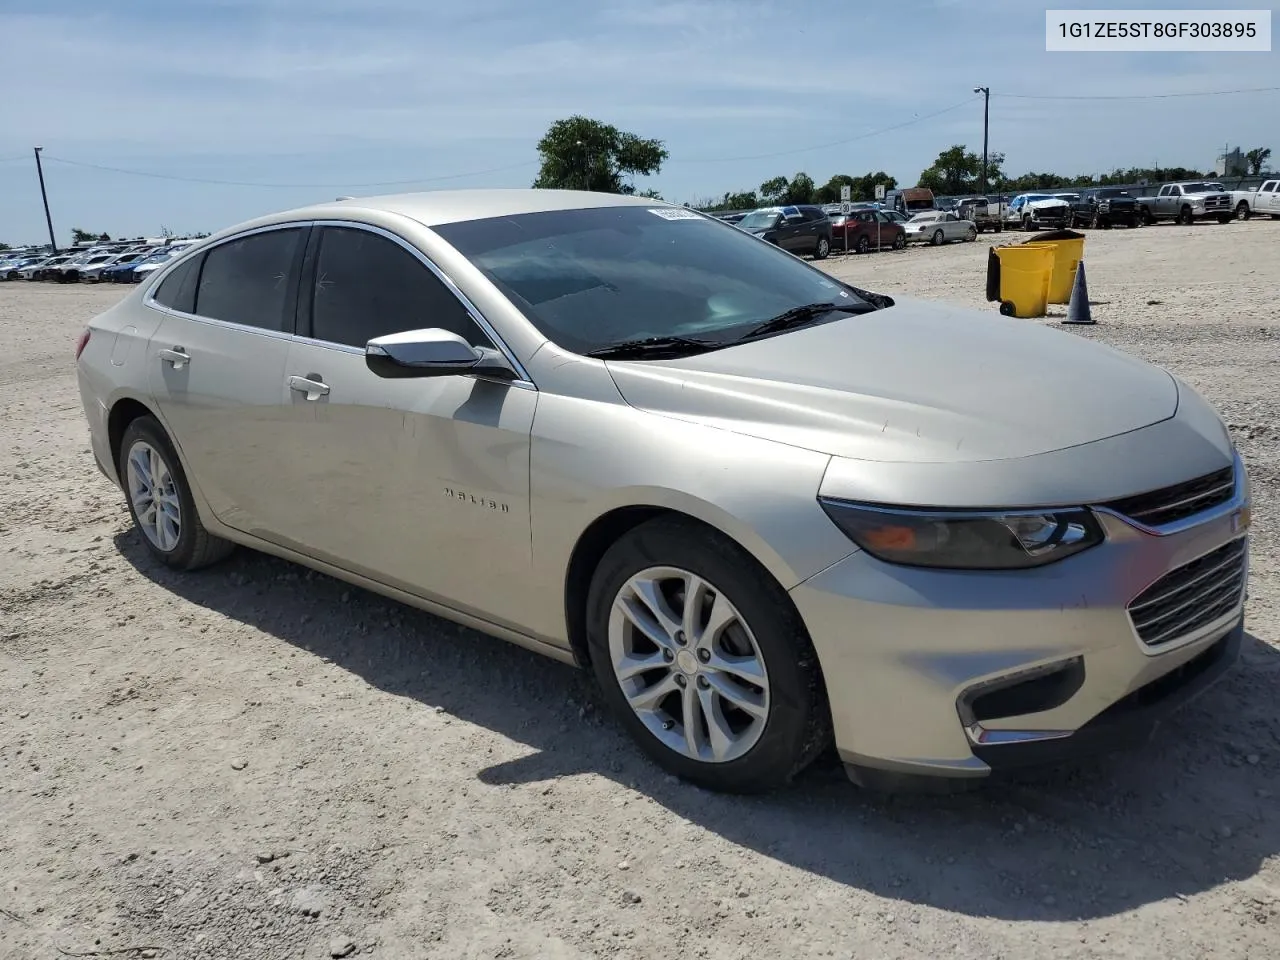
(419,483)
(217,369)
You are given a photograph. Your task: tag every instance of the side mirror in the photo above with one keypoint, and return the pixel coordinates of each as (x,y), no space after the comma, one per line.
(432,353)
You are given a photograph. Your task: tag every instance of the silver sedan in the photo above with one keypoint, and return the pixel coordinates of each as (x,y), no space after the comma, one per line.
(769,510)
(937,227)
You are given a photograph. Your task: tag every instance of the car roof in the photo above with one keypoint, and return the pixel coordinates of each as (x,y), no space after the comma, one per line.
(453,206)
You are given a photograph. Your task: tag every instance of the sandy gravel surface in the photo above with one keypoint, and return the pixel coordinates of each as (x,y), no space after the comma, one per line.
(256,761)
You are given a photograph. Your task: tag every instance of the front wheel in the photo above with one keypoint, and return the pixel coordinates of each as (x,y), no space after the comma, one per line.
(1148,218)
(900,242)
(1242,210)
(864,244)
(972,234)
(937,238)
(160,500)
(1226,217)
(822,249)
(704,659)
(1026,225)
(1186,217)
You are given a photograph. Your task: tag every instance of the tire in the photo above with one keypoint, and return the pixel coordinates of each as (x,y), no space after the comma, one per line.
(900,242)
(1186,217)
(937,238)
(184,545)
(1026,225)
(790,724)
(972,234)
(1007,309)
(1242,210)
(1275,216)
(1131,222)
(864,244)
(822,248)
(1147,218)
(1226,217)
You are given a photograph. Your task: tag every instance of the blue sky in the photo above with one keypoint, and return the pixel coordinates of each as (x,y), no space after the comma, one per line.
(322,92)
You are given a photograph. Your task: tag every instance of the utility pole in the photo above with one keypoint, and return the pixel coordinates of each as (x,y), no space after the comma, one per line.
(53,243)
(986,112)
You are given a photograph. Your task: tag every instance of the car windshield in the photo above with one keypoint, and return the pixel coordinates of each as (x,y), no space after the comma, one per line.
(1031,197)
(1113,193)
(758,220)
(925,217)
(1199,187)
(589,279)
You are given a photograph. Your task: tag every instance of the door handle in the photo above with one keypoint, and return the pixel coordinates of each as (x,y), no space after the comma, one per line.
(177,356)
(314,389)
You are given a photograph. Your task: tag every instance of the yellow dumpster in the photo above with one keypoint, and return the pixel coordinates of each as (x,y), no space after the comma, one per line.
(1018,276)
(1068,252)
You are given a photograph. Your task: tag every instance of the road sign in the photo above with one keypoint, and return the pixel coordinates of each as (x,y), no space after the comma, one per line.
(846,194)
(879,191)
(845,207)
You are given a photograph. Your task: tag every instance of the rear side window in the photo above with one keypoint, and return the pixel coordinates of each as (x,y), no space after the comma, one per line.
(367,286)
(247,281)
(177,291)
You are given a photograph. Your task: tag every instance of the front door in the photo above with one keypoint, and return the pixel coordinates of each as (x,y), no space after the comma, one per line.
(217,367)
(420,483)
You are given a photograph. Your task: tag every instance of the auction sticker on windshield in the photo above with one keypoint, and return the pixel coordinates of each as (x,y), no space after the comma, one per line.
(674,213)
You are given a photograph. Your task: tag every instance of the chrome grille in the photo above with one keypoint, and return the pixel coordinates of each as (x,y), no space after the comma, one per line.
(1219,201)
(1168,504)
(1191,597)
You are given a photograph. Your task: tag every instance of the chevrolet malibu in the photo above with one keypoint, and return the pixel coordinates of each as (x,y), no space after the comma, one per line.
(769,510)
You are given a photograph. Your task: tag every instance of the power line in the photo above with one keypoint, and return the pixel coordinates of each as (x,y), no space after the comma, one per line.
(21,156)
(834,143)
(1134,96)
(286,186)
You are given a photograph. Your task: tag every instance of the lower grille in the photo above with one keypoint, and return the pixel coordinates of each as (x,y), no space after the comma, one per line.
(1182,500)
(1192,596)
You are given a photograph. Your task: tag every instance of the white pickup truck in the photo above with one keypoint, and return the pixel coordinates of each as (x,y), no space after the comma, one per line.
(1265,199)
(1188,202)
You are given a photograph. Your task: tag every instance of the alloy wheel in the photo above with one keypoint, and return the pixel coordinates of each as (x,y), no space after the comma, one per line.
(154,496)
(688,665)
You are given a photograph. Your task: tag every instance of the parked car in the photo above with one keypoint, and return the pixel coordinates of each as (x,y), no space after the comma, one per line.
(73,270)
(909,200)
(1036,211)
(1265,199)
(1187,202)
(796,229)
(93,272)
(145,268)
(12,269)
(766,508)
(937,227)
(987,213)
(122,272)
(41,269)
(866,230)
(1104,207)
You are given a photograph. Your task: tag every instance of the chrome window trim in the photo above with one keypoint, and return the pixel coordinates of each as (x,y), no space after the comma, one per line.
(523,381)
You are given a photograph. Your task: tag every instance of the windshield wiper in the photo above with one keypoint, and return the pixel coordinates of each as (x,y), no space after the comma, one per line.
(654,348)
(799,316)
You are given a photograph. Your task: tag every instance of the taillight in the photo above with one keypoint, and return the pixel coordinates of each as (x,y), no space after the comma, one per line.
(82,342)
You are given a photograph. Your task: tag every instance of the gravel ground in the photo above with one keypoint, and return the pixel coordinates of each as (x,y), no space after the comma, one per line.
(257,761)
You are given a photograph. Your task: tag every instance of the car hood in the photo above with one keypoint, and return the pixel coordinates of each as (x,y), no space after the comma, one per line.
(917,382)
(1040,204)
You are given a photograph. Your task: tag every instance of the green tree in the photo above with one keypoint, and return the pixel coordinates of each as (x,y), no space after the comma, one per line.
(829,192)
(955,171)
(801,189)
(86,236)
(584,154)
(1257,159)
(774,191)
(864,187)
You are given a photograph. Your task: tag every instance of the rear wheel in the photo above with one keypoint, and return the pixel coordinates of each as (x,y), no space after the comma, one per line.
(160,501)
(864,244)
(704,659)
(822,249)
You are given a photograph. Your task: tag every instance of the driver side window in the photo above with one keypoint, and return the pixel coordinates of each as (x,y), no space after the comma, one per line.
(367,286)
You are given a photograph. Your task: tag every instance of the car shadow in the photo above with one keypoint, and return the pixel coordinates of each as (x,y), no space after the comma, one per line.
(1178,817)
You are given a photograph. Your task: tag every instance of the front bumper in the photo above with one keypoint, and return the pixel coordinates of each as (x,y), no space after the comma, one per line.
(906,653)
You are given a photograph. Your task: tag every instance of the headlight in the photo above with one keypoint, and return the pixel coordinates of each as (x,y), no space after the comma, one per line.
(966,539)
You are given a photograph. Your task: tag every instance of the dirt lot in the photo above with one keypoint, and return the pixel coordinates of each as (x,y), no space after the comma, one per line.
(259,762)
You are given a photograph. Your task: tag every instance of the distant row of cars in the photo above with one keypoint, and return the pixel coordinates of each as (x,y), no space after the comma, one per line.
(103,263)
(807,229)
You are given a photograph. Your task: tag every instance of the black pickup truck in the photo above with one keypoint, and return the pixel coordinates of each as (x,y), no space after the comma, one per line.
(1104,207)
